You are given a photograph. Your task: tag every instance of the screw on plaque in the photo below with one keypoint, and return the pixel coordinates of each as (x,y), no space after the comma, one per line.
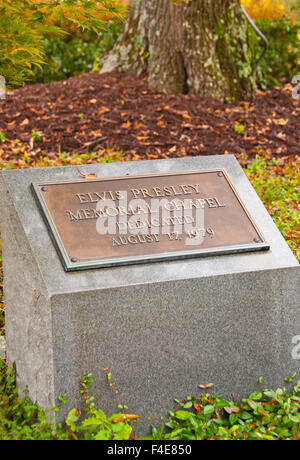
(256,240)
(220,174)
(74,260)
(44,189)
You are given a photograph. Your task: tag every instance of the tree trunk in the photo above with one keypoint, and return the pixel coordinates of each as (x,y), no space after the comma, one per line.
(201,46)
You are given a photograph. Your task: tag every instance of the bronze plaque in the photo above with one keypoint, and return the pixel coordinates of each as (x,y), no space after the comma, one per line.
(111,221)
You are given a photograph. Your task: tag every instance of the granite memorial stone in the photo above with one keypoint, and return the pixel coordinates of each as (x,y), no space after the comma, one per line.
(161,328)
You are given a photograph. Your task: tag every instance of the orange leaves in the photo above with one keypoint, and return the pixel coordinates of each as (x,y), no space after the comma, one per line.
(24,122)
(87,176)
(186,116)
(103,110)
(266,9)
(260,94)
(126,125)
(125,418)
(85,121)
(205,387)
(161,124)
(17,50)
(281,121)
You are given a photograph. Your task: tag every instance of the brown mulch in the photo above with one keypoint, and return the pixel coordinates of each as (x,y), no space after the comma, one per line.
(91,112)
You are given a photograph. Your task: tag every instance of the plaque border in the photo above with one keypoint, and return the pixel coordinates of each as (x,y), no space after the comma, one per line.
(70,266)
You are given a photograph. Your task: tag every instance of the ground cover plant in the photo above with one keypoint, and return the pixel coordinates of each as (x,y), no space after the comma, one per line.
(264,415)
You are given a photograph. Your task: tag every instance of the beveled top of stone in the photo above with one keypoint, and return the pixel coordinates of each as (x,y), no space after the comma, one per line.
(17,183)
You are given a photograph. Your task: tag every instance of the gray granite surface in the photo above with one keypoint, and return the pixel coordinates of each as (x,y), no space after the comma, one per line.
(160,328)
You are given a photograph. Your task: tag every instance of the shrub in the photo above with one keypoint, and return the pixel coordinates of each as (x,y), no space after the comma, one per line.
(267,9)
(281,27)
(264,415)
(282,58)
(71,56)
(24,24)
(20,419)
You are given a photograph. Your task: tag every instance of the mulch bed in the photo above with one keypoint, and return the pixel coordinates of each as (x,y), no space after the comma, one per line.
(92,112)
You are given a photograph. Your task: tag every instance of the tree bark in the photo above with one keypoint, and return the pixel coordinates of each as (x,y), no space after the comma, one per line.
(201,46)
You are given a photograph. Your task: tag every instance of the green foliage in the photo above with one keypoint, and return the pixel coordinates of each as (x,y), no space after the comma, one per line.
(71,56)
(3,137)
(37,136)
(294,6)
(20,419)
(278,187)
(264,415)
(25,23)
(20,41)
(282,58)
(97,426)
(240,129)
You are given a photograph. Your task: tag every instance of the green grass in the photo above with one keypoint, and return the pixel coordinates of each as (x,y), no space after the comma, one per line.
(279,189)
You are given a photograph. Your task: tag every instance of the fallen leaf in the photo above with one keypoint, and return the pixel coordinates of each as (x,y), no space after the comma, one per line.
(103,110)
(25,122)
(126,125)
(209,385)
(186,116)
(281,136)
(125,417)
(136,126)
(161,124)
(281,121)
(87,176)
(260,94)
